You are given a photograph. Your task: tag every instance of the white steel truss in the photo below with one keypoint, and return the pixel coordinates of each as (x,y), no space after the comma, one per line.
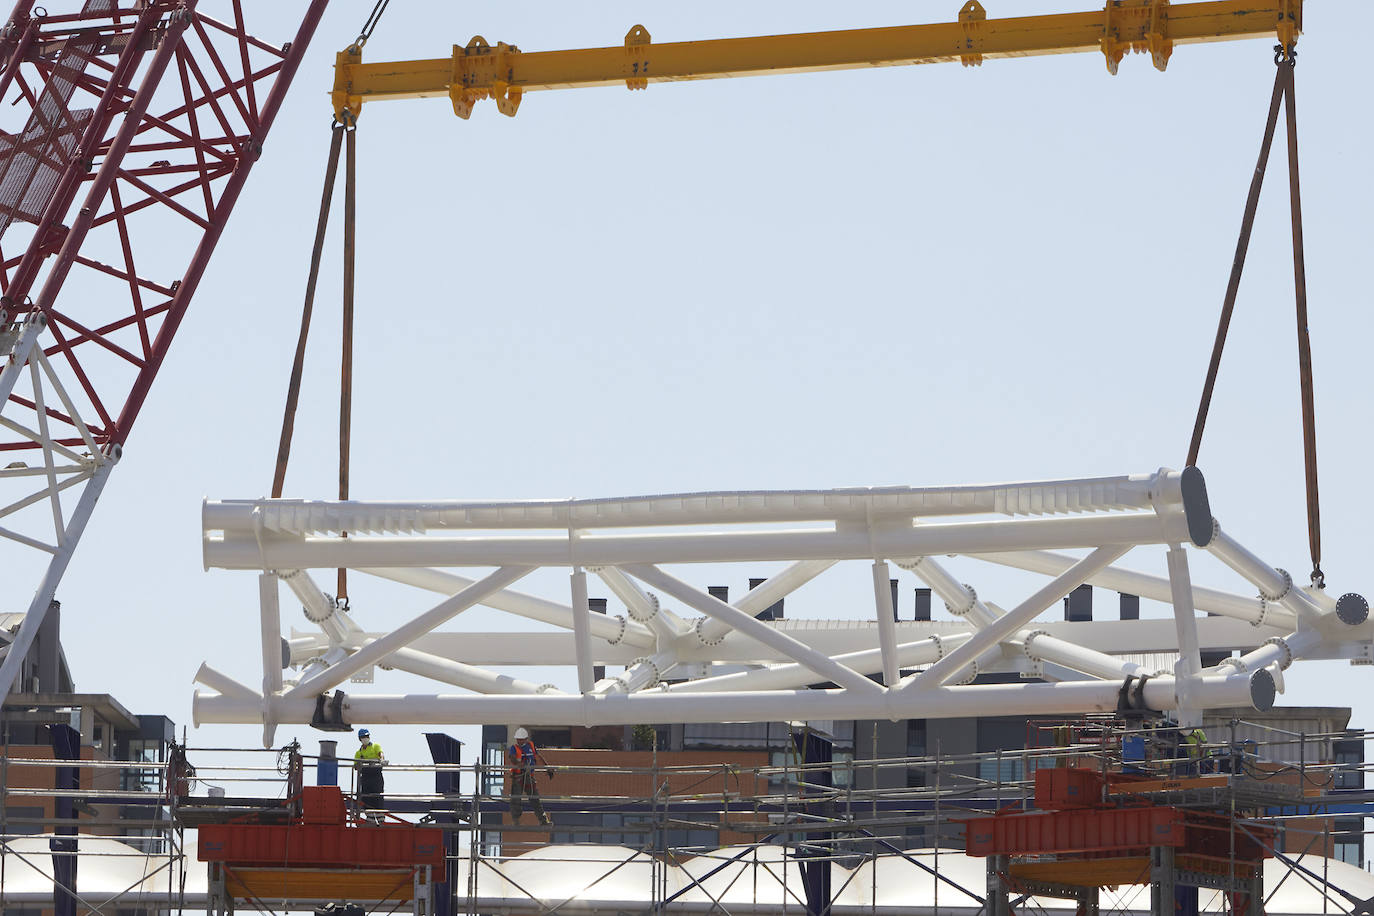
(36,519)
(728,665)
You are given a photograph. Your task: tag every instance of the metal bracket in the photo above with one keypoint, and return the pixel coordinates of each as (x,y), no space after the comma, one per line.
(1288,25)
(1157,41)
(480,72)
(637,58)
(971,17)
(1112,49)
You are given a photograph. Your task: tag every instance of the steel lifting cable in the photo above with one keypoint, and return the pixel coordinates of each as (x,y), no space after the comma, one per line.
(371,24)
(346,364)
(293,391)
(1285,60)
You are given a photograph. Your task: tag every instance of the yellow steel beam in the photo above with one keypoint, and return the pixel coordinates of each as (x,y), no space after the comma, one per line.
(503,72)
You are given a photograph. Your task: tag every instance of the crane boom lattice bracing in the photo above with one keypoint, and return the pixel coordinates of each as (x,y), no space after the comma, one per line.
(143,122)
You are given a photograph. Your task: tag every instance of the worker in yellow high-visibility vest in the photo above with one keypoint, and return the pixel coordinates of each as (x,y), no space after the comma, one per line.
(368,761)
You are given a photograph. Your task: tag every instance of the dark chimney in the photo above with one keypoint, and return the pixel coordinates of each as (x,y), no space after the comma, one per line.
(773,611)
(1130,607)
(922,604)
(1078,606)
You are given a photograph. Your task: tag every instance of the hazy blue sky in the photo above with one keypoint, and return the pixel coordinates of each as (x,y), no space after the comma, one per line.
(906,276)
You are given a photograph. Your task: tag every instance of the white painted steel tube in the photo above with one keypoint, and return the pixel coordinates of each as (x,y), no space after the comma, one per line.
(1156,588)
(403,635)
(582,633)
(469,677)
(531,607)
(239,551)
(887,623)
(647,671)
(779,677)
(770,706)
(1041,646)
(1093,494)
(643,608)
(218,680)
(1274,584)
(778,586)
(1016,618)
(1189,665)
(1281,650)
(959,598)
(319,608)
(761,632)
(270,619)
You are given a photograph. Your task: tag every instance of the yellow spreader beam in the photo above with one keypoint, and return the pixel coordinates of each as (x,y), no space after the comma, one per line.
(503,72)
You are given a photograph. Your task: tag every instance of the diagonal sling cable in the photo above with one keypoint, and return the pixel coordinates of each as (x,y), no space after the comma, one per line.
(1285,60)
(293,390)
(346,355)
(1309,419)
(1228,305)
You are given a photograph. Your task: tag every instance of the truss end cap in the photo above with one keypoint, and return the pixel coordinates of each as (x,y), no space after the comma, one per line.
(1352,609)
(1196,507)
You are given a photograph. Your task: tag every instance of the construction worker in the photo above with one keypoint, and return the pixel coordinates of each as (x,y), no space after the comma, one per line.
(1195,741)
(368,762)
(523,757)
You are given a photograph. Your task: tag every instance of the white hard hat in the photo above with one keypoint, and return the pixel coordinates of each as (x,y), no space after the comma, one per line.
(521,734)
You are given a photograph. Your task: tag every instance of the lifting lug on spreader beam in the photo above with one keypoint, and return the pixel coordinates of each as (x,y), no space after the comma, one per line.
(478,65)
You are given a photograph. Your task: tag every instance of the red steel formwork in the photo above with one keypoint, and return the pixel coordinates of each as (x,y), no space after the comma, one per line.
(1075,831)
(323,838)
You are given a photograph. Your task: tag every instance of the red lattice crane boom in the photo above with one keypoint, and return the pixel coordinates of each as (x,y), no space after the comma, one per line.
(133,129)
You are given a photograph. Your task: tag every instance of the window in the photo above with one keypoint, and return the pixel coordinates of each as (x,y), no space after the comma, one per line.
(1348,756)
(1009,769)
(493,759)
(1348,842)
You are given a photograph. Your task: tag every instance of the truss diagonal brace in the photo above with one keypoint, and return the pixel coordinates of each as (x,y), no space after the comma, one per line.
(823,665)
(1018,617)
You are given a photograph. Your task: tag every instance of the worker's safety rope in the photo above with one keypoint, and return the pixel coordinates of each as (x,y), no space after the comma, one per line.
(1285,60)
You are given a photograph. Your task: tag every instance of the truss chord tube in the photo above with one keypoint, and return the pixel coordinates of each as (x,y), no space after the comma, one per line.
(761,632)
(518,603)
(1245,690)
(244,551)
(1156,588)
(403,635)
(1018,617)
(18,355)
(271,633)
(1153,492)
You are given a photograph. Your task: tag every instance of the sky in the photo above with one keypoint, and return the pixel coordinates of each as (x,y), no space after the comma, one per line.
(924,276)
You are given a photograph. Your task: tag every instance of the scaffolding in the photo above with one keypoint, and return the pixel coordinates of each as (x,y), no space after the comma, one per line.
(806,836)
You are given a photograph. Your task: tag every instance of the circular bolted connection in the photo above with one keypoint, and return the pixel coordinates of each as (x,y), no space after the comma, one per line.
(1352,609)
